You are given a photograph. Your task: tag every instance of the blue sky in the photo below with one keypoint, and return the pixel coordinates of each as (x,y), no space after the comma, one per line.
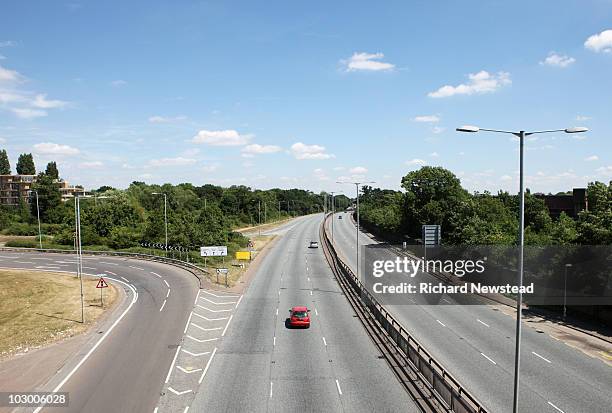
(302,94)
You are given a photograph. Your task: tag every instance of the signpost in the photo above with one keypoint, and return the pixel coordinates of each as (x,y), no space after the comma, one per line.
(431,236)
(213,251)
(222,271)
(243,255)
(101,285)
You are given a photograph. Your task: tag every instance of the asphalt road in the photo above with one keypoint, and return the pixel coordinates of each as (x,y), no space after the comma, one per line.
(126,371)
(261,365)
(476,344)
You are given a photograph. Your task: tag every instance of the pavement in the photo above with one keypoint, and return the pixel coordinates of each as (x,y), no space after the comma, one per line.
(123,365)
(260,365)
(475,343)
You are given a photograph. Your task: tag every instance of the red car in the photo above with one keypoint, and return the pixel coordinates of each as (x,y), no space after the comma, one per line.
(299,317)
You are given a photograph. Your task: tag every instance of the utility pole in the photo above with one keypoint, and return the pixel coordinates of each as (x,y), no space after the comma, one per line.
(79,251)
(165,216)
(38,215)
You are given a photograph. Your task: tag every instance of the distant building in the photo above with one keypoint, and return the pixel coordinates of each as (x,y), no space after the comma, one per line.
(572,204)
(14,188)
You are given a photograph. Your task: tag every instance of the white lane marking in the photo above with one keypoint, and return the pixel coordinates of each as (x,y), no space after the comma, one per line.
(209,319)
(216,302)
(155,410)
(446,301)
(202,341)
(156,274)
(163,305)
(90,268)
(187,323)
(310,292)
(240,299)
(482,322)
(556,407)
(23,262)
(167,285)
(110,272)
(136,268)
(488,358)
(309,279)
(271,387)
(195,354)
(227,325)
(108,263)
(338,386)
(42,259)
(186,409)
(188,371)
(178,393)
(316,312)
(49,267)
(168,293)
(324,342)
(125,279)
(197,296)
(80,363)
(278,292)
(543,358)
(172,364)
(274,342)
(220,296)
(205,329)
(207,365)
(213,311)
(277,311)
(441,323)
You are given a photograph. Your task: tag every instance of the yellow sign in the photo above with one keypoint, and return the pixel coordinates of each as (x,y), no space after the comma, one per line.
(243,255)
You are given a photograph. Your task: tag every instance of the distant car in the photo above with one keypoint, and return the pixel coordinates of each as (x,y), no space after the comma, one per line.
(339,216)
(313,244)
(299,317)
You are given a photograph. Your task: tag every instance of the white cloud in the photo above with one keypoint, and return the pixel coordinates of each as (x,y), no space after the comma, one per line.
(10,76)
(505,178)
(118,83)
(320,174)
(303,151)
(8,43)
(25,113)
(91,164)
(479,83)
(40,101)
(434,154)
(178,161)
(339,168)
(2,140)
(210,168)
(438,129)
(557,60)
(166,119)
(581,118)
(358,170)
(601,42)
(227,137)
(256,149)
(427,118)
(605,171)
(591,158)
(50,148)
(367,62)
(416,162)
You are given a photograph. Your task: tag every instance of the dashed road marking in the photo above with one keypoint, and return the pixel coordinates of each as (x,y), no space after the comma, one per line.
(219,296)
(125,279)
(179,393)
(167,285)
(324,342)
(488,358)
(543,358)
(210,319)
(214,311)
(238,303)
(556,407)
(441,323)
(274,342)
(207,365)
(271,387)
(187,323)
(338,386)
(483,323)
(136,268)
(168,293)
(108,263)
(156,274)
(110,272)
(227,325)
(277,311)
(172,364)
(217,303)
(188,371)
(206,329)
(316,312)
(203,341)
(195,354)
(163,305)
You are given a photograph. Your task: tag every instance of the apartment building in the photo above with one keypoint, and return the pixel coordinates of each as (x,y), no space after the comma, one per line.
(14,188)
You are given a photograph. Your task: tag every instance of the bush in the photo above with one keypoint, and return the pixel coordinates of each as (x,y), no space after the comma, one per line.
(20,228)
(22,243)
(122,237)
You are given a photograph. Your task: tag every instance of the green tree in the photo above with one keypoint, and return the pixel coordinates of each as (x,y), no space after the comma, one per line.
(5,165)
(52,170)
(25,164)
(49,196)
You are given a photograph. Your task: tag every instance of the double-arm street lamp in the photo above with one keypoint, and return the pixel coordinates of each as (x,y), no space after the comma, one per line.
(333,202)
(38,216)
(519,302)
(357,184)
(165,215)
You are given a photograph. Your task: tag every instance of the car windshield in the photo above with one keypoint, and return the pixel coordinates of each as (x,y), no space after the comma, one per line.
(300,313)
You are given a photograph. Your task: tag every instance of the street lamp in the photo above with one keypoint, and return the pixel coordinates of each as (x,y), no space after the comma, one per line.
(357,233)
(333,199)
(165,215)
(38,215)
(567,267)
(519,303)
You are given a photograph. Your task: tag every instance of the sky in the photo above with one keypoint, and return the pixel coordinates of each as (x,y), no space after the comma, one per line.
(306,94)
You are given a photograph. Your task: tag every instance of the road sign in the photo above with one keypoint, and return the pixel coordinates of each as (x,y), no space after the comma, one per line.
(215,251)
(222,270)
(432,235)
(102,283)
(243,255)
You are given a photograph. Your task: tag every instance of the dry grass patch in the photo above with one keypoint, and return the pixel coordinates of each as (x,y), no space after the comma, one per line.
(37,308)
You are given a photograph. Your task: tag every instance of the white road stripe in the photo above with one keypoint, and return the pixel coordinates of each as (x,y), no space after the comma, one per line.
(271,387)
(188,321)
(125,279)
(188,371)
(482,322)
(543,358)
(277,311)
(178,393)
(216,302)
(197,296)
(316,312)
(186,409)
(214,311)
(488,358)
(108,263)
(274,342)
(338,386)
(49,267)
(136,268)
(220,296)
(207,365)
(167,285)
(80,363)
(202,341)
(172,364)
(238,303)
(156,274)
(195,354)
(168,293)
(441,323)
(23,262)
(310,292)
(206,329)
(210,319)
(227,325)
(163,305)
(556,407)
(324,342)
(110,272)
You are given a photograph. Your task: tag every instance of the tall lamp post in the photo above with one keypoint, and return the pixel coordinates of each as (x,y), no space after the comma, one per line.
(333,200)
(38,216)
(357,232)
(165,215)
(519,302)
(567,267)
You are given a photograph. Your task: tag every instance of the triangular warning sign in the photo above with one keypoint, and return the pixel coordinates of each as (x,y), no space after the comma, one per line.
(101,283)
